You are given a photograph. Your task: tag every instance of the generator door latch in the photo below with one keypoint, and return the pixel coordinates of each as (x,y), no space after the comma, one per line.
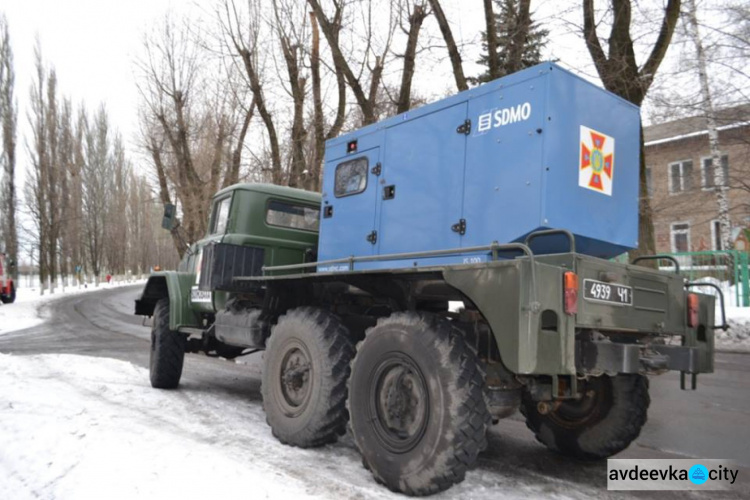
(376,169)
(373,237)
(389,192)
(459,227)
(464,128)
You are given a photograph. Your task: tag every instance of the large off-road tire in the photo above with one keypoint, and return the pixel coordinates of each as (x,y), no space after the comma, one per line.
(11,297)
(305,372)
(416,398)
(605,421)
(167,350)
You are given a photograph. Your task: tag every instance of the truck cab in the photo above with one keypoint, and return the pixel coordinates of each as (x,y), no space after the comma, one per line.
(250,226)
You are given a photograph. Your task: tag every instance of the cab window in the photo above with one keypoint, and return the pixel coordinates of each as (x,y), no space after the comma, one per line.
(220,215)
(289,215)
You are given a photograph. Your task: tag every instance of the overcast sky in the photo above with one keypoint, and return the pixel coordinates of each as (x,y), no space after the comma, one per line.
(91,44)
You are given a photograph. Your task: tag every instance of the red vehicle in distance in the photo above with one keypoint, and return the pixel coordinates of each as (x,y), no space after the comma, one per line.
(7,286)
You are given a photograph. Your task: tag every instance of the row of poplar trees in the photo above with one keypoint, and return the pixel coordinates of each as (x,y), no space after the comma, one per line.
(85,211)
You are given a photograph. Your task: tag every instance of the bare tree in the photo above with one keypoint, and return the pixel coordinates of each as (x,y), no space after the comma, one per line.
(193,125)
(373,59)
(8,122)
(97,173)
(37,182)
(242,36)
(320,133)
(53,179)
(116,245)
(621,74)
(493,64)
(721,185)
(66,160)
(450,42)
(415,16)
(290,26)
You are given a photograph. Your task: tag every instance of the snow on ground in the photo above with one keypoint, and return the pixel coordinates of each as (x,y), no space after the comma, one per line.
(83,427)
(737,338)
(27,310)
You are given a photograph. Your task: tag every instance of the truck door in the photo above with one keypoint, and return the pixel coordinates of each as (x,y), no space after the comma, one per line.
(421,188)
(348,211)
(217,227)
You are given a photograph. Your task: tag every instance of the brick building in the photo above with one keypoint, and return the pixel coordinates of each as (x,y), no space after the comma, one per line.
(680,180)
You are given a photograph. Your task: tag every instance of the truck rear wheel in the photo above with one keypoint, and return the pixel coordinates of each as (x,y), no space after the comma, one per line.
(416,399)
(167,350)
(304,377)
(603,422)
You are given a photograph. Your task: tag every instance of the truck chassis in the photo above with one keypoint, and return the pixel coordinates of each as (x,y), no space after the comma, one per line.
(420,383)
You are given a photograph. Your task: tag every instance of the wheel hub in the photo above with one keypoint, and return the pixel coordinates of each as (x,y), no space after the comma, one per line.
(295,377)
(575,413)
(400,399)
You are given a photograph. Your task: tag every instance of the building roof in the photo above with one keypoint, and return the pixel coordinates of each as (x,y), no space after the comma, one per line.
(695,125)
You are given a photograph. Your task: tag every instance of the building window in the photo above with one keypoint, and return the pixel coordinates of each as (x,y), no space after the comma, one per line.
(649,182)
(707,171)
(681,176)
(680,237)
(716,235)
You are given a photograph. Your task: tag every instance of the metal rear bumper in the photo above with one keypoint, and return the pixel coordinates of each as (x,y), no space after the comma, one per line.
(597,357)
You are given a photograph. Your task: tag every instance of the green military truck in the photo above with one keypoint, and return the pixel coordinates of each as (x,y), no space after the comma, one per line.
(414,306)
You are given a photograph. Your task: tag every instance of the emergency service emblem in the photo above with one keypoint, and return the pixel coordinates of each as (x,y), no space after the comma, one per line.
(597,161)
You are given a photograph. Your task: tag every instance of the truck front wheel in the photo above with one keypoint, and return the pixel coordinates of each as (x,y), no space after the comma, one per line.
(167,350)
(604,421)
(304,377)
(416,399)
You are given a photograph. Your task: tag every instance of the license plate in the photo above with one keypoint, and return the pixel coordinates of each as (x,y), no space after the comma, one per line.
(611,293)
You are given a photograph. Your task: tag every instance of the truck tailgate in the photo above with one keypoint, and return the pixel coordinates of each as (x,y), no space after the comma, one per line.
(622,297)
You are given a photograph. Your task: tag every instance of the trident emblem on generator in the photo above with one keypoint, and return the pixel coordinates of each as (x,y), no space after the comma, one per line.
(597,161)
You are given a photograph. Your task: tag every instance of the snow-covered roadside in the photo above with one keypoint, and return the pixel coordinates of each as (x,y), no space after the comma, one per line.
(79,427)
(84,428)
(737,338)
(26,311)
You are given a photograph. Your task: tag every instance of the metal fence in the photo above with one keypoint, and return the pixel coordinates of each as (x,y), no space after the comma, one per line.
(726,269)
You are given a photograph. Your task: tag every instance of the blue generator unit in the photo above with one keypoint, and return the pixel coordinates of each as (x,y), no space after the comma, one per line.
(538,149)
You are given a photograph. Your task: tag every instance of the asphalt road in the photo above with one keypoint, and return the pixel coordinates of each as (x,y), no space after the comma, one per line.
(712,422)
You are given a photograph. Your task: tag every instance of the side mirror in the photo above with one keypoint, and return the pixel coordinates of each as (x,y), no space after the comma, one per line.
(169,221)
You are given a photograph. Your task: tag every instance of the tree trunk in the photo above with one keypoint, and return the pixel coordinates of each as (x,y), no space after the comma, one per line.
(453,53)
(621,75)
(493,66)
(416,19)
(721,185)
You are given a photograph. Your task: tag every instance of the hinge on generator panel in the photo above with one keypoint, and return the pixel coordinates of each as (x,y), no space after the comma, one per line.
(373,237)
(376,169)
(464,128)
(459,227)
